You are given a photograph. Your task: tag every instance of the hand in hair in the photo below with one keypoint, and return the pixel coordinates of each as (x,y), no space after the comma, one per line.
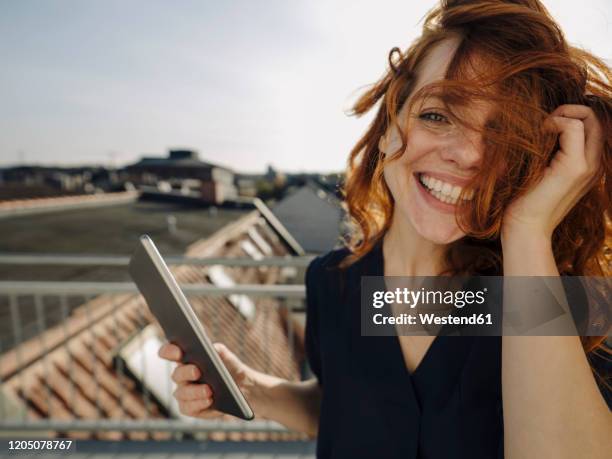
(571,173)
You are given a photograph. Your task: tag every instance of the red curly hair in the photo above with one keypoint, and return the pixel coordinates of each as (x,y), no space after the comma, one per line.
(530,70)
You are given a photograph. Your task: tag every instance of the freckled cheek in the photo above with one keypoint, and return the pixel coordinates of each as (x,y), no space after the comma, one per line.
(420,144)
(424,143)
(398,172)
(396,177)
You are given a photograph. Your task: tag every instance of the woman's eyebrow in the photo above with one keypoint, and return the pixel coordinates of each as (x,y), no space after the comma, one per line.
(429,103)
(422,101)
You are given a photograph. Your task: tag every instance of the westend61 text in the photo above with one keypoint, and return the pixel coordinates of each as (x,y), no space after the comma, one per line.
(432,319)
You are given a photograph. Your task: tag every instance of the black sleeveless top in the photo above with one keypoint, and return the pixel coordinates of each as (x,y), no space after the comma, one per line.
(372,407)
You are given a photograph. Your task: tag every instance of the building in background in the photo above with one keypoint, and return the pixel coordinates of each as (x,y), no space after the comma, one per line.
(183,172)
(34,181)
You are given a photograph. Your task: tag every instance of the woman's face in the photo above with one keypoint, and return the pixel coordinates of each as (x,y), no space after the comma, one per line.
(440,157)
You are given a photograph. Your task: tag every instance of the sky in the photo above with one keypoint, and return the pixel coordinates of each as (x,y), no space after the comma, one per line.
(245,83)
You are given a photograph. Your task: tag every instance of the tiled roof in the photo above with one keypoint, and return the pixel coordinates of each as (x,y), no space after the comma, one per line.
(81,365)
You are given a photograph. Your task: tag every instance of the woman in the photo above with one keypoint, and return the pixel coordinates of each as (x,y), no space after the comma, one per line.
(492,141)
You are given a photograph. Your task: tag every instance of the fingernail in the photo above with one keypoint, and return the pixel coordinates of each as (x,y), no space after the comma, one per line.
(194,372)
(205,392)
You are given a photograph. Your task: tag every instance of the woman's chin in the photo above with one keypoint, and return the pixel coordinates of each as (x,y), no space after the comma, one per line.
(433,226)
(440,231)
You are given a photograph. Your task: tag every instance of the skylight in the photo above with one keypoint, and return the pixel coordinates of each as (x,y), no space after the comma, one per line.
(242,303)
(141,360)
(251,250)
(260,241)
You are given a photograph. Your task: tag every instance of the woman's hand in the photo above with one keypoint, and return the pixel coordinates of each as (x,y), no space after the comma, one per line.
(196,399)
(568,177)
(294,404)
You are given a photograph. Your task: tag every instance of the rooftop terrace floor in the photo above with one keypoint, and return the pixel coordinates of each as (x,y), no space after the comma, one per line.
(111,230)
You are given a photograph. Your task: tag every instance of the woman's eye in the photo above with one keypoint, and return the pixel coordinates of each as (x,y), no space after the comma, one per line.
(433,116)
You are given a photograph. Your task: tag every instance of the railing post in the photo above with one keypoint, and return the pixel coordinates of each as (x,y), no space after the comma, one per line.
(40,319)
(94,359)
(18,338)
(119,362)
(64,314)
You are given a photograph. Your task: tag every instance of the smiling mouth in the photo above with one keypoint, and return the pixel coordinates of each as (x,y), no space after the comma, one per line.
(443,191)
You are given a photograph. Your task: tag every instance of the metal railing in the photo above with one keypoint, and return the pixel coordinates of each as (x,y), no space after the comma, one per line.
(98,288)
(33,309)
(120,260)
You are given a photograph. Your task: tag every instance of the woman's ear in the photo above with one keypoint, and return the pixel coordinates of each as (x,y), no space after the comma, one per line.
(382,144)
(390,142)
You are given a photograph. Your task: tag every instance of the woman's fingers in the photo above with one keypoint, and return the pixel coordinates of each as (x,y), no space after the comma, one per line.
(208,414)
(196,399)
(593,134)
(171,352)
(236,367)
(188,392)
(572,134)
(186,373)
(592,126)
(194,407)
(229,358)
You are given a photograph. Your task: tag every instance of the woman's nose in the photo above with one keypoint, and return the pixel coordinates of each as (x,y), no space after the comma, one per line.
(465,149)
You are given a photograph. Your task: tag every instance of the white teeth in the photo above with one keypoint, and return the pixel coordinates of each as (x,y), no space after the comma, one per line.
(443,191)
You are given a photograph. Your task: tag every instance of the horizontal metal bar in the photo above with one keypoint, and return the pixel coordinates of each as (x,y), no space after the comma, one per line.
(120,260)
(97,288)
(200,425)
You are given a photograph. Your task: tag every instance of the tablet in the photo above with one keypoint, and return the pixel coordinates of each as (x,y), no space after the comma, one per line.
(181,326)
